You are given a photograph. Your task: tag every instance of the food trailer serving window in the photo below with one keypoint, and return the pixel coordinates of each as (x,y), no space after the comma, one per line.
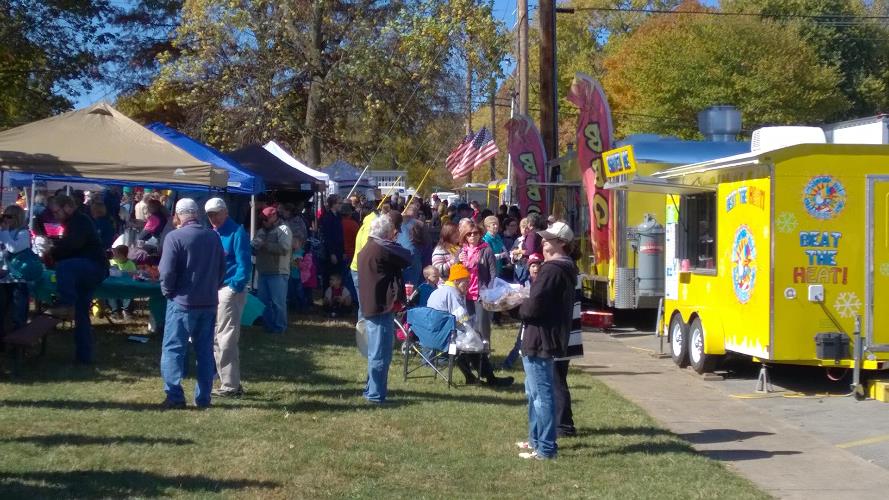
(697,232)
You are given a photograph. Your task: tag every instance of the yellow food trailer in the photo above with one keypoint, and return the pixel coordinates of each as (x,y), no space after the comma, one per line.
(632,275)
(781,254)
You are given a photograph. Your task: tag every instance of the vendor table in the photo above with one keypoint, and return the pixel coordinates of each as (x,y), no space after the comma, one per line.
(125,287)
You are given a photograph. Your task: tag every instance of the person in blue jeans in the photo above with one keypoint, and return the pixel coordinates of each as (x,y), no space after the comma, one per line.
(192,270)
(273,247)
(81,266)
(381,292)
(547,318)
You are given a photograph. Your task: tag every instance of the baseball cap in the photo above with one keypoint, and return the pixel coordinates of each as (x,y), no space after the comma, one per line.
(458,272)
(269,211)
(558,231)
(186,206)
(535,258)
(214,205)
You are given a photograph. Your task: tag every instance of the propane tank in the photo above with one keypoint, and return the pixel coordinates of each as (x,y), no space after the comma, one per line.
(650,264)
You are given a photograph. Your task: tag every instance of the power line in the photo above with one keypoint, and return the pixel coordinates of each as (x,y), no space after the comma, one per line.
(825,17)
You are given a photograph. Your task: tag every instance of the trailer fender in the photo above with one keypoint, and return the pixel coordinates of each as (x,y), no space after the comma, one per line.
(714,332)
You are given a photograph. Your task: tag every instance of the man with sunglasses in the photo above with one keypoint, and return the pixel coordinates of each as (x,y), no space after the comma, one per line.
(81,266)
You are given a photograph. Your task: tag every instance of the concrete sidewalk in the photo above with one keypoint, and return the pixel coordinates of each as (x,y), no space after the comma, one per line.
(778,456)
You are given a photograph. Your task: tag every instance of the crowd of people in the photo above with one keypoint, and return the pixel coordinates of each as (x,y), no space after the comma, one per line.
(474,248)
(355,257)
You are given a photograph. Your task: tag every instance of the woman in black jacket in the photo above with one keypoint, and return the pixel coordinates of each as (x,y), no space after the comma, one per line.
(547,317)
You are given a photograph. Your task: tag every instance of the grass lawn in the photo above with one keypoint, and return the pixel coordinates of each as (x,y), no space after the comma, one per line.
(303,430)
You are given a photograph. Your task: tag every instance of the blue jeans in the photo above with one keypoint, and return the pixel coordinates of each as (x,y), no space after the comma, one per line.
(380,336)
(273,293)
(514,353)
(199,325)
(348,280)
(541,405)
(296,294)
(117,305)
(355,297)
(14,303)
(76,281)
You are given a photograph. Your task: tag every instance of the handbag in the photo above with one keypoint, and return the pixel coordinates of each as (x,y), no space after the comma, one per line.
(25,265)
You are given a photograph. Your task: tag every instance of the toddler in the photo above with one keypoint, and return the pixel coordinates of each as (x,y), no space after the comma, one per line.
(337,299)
(120,258)
(421,293)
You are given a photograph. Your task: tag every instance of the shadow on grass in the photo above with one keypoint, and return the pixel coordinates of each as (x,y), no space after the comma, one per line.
(654,448)
(624,431)
(721,436)
(614,373)
(83,440)
(418,396)
(115,484)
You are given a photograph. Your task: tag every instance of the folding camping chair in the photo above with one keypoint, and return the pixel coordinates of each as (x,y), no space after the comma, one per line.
(429,328)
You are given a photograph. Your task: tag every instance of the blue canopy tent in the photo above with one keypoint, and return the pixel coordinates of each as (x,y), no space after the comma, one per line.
(239,180)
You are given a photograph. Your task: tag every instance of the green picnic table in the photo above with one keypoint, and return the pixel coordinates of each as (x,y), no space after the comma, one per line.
(125,287)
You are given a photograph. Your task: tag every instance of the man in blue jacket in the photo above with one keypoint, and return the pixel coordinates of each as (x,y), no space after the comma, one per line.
(232,297)
(192,269)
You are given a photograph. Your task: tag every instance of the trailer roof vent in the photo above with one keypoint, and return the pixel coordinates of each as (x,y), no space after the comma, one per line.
(720,123)
(770,138)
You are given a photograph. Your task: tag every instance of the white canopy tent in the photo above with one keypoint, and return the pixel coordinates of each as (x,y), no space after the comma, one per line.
(273,148)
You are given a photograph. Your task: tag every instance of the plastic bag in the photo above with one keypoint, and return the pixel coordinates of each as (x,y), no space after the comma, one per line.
(503,296)
(469,341)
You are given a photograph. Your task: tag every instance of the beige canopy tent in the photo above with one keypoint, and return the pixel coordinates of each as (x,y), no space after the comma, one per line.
(100,143)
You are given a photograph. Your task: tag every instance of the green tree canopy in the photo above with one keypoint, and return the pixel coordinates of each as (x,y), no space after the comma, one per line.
(49,51)
(676,65)
(328,78)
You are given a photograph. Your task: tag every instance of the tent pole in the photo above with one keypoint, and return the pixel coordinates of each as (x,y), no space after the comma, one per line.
(357,181)
(252,216)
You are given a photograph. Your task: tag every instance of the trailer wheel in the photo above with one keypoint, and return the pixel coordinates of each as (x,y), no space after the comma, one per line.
(700,361)
(679,341)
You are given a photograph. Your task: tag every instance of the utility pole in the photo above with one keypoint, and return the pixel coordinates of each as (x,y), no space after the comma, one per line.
(493,123)
(523,56)
(549,107)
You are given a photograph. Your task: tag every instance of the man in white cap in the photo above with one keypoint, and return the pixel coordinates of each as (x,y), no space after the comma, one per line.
(192,269)
(232,297)
(546,326)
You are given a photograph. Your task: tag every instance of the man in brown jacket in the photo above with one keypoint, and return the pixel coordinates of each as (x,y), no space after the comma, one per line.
(381,292)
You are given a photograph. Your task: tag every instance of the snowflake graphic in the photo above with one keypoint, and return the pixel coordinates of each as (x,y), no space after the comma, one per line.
(847,304)
(884,268)
(786,222)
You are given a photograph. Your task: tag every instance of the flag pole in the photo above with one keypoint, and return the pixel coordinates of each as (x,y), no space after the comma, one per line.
(357,181)
(383,200)
(419,186)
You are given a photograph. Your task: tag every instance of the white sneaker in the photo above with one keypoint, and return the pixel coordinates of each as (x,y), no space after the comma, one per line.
(530,456)
(523,445)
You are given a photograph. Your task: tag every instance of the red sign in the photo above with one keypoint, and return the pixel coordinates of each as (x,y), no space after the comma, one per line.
(594,135)
(528,163)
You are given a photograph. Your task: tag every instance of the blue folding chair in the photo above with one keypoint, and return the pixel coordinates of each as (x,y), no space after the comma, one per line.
(430,329)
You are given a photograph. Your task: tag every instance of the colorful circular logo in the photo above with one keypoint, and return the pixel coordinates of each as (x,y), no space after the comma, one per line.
(824,197)
(743,264)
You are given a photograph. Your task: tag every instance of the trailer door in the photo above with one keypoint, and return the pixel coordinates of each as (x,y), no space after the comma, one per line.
(878,265)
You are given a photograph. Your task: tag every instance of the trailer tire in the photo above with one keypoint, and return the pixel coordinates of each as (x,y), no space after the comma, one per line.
(679,341)
(700,361)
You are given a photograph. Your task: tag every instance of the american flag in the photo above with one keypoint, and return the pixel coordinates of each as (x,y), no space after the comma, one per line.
(457,154)
(481,149)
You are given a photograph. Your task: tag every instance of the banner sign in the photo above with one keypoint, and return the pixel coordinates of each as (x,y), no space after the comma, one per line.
(528,163)
(620,161)
(594,135)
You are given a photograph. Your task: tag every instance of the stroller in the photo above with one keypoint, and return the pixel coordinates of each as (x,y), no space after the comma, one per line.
(431,335)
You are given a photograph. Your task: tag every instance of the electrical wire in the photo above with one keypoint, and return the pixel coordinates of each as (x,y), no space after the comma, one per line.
(839,18)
